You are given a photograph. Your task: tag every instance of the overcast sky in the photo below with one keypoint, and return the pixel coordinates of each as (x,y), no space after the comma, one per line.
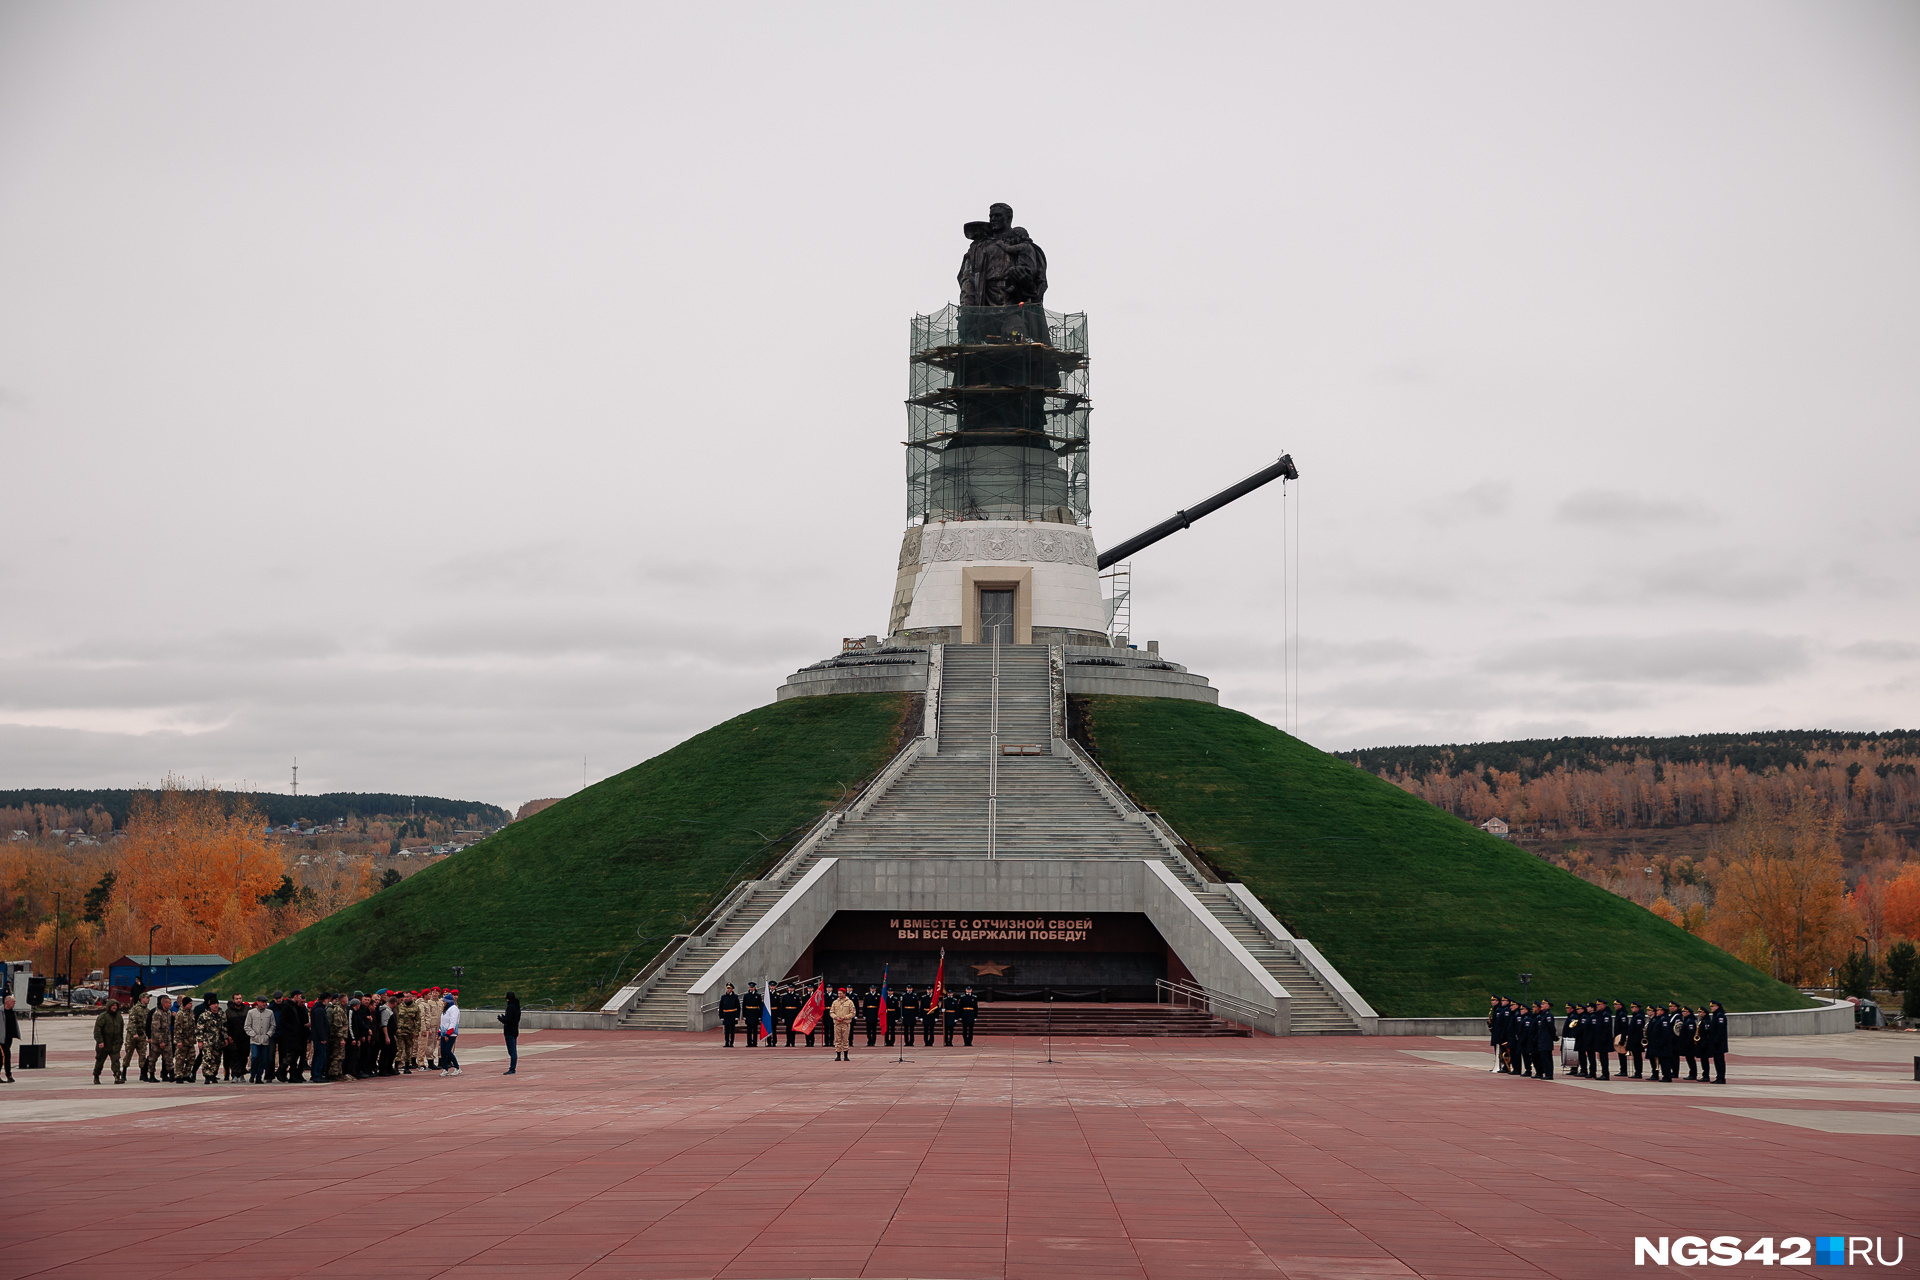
(443,393)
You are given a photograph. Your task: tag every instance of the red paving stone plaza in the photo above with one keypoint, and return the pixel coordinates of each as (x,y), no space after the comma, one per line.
(662,1155)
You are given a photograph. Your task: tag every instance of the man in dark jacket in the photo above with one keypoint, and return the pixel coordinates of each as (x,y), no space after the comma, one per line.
(317,1038)
(1713,1042)
(969,1010)
(293,1037)
(233,1056)
(870,1013)
(729,1014)
(1545,1041)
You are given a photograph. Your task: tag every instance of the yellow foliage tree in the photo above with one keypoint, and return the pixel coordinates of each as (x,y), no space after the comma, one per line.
(1783,881)
(196,861)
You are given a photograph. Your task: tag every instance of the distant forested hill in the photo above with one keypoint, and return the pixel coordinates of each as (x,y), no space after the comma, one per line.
(1545,785)
(1532,757)
(279,809)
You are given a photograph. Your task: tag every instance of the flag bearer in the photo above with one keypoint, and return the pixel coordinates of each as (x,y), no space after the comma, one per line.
(752,1003)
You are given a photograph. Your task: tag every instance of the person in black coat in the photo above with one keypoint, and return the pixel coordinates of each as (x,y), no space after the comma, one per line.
(510,1025)
(969,1010)
(317,1038)
(292,1033)
(1713,1042)
(1496,1015)
(1602,1019)
(729,1014)
(1546,1038)
(870,1013)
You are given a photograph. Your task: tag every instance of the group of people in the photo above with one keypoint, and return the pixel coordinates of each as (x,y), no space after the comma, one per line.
(1658,1039)
(908,1010)
(283,1038)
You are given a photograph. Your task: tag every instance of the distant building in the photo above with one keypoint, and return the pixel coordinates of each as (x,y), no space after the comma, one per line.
(163,969)
(1495,827)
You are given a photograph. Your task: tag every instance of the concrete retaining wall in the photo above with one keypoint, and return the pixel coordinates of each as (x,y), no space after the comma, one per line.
(951,886)
(541,1020)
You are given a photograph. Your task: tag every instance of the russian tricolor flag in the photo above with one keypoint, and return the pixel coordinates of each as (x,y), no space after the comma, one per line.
(766,1008)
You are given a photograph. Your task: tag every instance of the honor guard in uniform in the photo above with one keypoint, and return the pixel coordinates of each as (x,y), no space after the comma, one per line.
(1493,1029)
(752,1014)
(870,1013)
(949,1016)
(1690,1041)
(1659,1040)
(1633,1033)
(1713,1042)
(909,1015)
(1545,1041)
(1572,1032)
(969,1010)
(1618,1043)
(930,1016)
(1519,1031)
(1603,1039)
(729,1014)
(789,1010)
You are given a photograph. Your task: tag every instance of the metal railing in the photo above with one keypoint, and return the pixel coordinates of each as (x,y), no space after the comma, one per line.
(993,746)
(1194,996)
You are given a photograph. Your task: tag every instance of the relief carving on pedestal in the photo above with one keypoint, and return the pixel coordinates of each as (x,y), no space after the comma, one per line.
(995,540)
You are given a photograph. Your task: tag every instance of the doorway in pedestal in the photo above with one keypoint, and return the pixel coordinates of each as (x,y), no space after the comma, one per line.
(996,610)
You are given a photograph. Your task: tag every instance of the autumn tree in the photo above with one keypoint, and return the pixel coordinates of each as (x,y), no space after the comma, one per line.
(196,861)
(1783,880)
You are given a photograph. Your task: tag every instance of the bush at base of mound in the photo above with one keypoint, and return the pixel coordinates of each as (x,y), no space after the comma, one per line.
(1425,915)
(569,903)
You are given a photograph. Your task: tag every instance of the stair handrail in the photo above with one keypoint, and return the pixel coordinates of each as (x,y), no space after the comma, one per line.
(993,745)
(930,710)
(648,977)
(1179,991)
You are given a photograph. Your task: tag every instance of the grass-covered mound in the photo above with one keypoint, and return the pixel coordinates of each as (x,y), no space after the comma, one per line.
(1425,915)
(566,905)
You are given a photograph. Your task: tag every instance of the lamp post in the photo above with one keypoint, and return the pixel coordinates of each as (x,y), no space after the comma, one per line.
(56,949)
(1525,978)
(149,964)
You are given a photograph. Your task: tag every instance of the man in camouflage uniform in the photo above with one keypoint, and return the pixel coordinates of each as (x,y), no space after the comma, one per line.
(211,1026)
(429,1033)
(337,1030)
(408,1033)
(185,1032)
(139,1020)
(109,1033)
(160,1038)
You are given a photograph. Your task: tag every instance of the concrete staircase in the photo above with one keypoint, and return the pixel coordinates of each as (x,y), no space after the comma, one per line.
(1048,808)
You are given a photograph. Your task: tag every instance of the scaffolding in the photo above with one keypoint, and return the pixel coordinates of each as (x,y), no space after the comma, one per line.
(1116,593)
(997,414)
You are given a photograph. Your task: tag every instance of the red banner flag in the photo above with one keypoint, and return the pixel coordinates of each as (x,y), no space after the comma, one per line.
(814,1010)
(939,984)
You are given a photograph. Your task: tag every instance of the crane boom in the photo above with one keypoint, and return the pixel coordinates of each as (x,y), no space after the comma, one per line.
(1183,519)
